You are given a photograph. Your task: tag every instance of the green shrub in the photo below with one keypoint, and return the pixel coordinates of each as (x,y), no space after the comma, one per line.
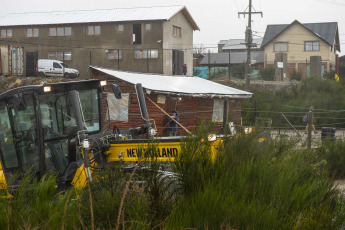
(329,75)
(295,75)
(267,74)
(255,186)
(36,205)
(333,153)
(238,71)
(218,71)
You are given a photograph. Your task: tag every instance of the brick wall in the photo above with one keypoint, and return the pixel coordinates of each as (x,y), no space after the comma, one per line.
(234,110)
(301,67)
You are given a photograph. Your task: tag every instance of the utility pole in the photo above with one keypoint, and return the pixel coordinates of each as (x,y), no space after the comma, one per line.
(248,41)
(229,63)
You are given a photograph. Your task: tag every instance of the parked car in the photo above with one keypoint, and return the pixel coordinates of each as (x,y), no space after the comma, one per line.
(55,68)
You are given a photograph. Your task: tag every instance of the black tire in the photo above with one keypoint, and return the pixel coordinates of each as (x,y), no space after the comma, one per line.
(66,75)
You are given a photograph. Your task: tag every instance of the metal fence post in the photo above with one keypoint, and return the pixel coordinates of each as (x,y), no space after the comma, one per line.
(310,125)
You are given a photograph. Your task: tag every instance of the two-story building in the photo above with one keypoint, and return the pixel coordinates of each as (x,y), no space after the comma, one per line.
(300,42)
(146,39)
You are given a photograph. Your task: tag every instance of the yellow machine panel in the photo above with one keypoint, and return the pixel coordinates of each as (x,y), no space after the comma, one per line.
(162,151)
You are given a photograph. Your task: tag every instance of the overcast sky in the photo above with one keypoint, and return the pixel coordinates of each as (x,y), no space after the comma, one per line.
(217,19)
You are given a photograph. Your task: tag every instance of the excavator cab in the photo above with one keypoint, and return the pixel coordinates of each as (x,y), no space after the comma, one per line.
(38,129)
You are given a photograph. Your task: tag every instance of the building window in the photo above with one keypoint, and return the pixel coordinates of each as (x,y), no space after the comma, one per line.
(147,53)
(177,32)
(60,31)
(93,30)
(312,46)
(118,108)
(60,55)
(32,32)
(147,26)
(218,110)
(114,54)
(119,28)
(6,33)
(280,47)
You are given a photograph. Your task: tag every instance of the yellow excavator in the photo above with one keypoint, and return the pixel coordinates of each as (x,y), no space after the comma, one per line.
(58,127)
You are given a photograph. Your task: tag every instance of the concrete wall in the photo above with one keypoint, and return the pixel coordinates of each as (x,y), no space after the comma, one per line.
(296,35)
(185,42)
(91,50)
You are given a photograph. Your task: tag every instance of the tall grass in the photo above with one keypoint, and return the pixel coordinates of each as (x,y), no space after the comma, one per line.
(35,205)
(248,185)
(255,186)
(332,152)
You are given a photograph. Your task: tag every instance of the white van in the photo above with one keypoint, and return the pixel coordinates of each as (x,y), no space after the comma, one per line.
(55,68)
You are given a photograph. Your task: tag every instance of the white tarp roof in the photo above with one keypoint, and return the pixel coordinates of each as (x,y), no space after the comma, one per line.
(94,16)
(178,85)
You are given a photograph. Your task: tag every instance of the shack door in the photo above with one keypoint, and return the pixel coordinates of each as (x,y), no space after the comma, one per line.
(31,63)
(178,61)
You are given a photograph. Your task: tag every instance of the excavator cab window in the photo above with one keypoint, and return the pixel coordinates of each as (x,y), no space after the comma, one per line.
(59,125)
(38,127)
(8,150)
(18,136)
(25,134)
(89,103)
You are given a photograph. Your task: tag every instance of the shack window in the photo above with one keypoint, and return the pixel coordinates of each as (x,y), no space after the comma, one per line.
(60,31)
(32,32)
(177,32)
(120,28)
(280,47)
(9,33)
(6,33)
(118,108)
(68,55)
(154,53)
(52,55)
(312,46)
(136,33)
(147,26)
(60,55)
(114,54)
(93,30)
(218,108)
(35,32)
(68,31)
(147,53)
(52,31)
